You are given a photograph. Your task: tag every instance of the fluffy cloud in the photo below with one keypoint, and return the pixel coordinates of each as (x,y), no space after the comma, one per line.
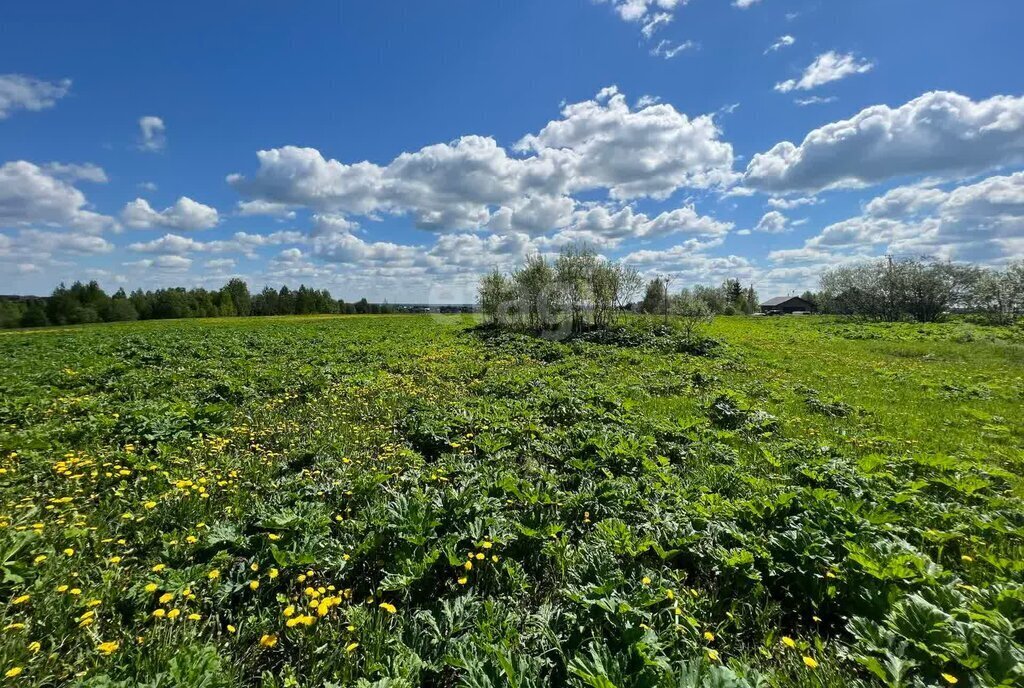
(280,210)
(826,68)
(637,10)
(20,92)
(782,42)
(153,133)
(163,263)
(976,222)
(472,183)
(773,222)
(744,4)
(33,195)
(938,133)
(73,172)
(185,214)
(601,225)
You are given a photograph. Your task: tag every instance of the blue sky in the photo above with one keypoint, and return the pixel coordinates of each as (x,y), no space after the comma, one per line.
(409,146)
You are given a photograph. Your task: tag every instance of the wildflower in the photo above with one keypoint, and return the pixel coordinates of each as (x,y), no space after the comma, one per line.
(788,642)
(115,560)
(268,640)
(231,629)
(21,600)
(166,597)
(709,636)
(34,647)
(69,552)
(159,613)
(272,574)
(966,558)
(254,567)
(463,580)
(389,608)
(213,575)
(950,678)
(468,565)
(487,544)
(810,662)
(303,619)
(174,614)
(108,648)
(646,580)
(273,537)
(40,559)
(151,587)
(712,654)
(479,555)
(254,584)
(194,617)
(150,505)
(13,671)
(62,588)
(158,568)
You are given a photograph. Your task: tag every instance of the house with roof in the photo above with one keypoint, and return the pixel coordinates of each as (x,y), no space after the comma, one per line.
(786,304)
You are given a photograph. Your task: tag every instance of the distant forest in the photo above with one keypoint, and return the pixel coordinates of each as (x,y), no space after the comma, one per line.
(88,303)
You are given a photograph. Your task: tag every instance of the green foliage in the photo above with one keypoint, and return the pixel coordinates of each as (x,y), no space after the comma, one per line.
(380,502)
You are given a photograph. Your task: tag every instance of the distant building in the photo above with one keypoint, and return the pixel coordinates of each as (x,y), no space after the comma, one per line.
(786,304)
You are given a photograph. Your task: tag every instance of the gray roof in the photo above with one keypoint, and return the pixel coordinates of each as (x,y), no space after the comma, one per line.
(779,300)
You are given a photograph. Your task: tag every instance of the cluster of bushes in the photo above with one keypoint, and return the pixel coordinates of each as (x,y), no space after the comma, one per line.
(922,290)
(730,298)
(576,291)
(88,303)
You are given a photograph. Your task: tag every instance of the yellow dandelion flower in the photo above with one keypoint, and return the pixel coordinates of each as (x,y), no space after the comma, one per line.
(468,565)
(70,552)
(158,568)
(13,671)
(463,580)
(174,614)
(159,613)
(231,629)
(712,654)
(788,642)
(254,584)
(709,636)
(645,580)
(268,640)
(810,662)
(21,600)
(950,678)
(166,597)
(108,648)
(151,587)
(34,647)
(389,608)
(289,610)
(272,574)
(213,575)
(194,617)
(351,647)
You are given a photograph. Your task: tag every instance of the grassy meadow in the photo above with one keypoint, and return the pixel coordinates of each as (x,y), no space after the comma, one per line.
(405,501)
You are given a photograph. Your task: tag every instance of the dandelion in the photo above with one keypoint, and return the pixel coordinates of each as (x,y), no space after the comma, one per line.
(158,568)
(268,640)
(272,574)
(810,662)
(115,560)
(351,647)
(213,575)
(150,505)
(788,642)
(151,587)
(159,613)
(273,537)
(69,552)
(34,647)
(108,648)
(231,629)
(194,617)
(174,614)
(388,607)
(646,580)
(166,597)
(468,565)
(21,600)
(709,636)
(712,654)
(254,584)
(479,555)
(966,558)
(463,580)
(40,559)
(950,678)
(13,671)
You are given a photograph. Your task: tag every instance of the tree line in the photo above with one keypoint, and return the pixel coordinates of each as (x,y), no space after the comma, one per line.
(922,290)
(88,303)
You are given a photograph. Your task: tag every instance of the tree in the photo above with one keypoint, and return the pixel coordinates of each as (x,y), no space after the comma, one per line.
(238,290)
(495,295)
(655,296)
(536,292)
(691,313)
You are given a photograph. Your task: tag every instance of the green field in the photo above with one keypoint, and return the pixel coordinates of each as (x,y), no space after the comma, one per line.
(403,501)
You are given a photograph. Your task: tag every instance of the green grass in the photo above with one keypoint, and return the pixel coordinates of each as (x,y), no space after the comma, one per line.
(813,503)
